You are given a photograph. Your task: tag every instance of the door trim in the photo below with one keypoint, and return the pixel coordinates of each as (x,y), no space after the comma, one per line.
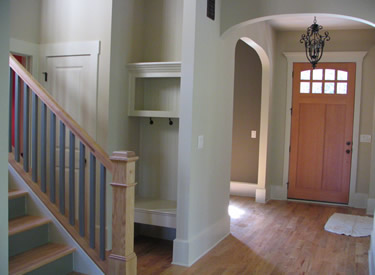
(355,199)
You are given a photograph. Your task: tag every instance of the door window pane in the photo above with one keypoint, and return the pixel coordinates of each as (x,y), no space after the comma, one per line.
(304,87)
(342,88)
(329,74)
(317,88)
(329,88)
(342,75)
(305,75)
(318,74)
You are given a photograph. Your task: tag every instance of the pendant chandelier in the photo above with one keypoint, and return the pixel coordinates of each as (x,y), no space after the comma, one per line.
(314,43)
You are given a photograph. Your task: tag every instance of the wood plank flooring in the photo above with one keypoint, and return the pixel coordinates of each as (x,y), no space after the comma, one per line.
(279,237)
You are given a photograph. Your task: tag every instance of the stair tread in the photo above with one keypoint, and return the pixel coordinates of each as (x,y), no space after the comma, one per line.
(14,194)
(37,257)
(24,223)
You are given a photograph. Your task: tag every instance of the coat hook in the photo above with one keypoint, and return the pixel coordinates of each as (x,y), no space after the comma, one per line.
(151,121)
(170,121)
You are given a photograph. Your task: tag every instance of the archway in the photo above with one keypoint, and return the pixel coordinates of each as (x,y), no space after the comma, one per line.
(248,167)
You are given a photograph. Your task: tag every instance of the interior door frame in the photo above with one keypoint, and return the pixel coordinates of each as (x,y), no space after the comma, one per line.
(355,199)
(88,48)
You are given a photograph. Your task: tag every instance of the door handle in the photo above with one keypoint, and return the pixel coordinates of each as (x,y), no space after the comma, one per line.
(347,151)
(348,143)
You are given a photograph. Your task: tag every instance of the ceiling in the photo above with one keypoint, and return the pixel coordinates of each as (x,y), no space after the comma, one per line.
(301,22)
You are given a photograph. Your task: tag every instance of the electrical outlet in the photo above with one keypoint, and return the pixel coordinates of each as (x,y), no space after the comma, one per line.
(253,134)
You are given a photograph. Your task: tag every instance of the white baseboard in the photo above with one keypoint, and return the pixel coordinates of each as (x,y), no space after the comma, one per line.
(371,267)
(260,195)
(187,252)
(370,207)
(244,189)
(358,200)
(279,192)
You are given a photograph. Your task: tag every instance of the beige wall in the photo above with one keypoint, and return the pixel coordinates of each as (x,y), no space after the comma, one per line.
(162,30)
(246,114)
(4,108)
(25,20)
(355,40)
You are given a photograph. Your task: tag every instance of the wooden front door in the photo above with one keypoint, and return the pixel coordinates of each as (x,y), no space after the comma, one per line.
(321,133)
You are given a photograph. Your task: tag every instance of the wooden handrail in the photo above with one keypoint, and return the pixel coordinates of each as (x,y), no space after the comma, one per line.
(73,126)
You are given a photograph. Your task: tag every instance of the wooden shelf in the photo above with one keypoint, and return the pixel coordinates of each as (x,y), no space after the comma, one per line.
(155,212)
(154,89)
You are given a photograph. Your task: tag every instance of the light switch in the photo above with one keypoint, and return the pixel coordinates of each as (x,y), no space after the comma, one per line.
(200,142)
(253,134)
(365,138)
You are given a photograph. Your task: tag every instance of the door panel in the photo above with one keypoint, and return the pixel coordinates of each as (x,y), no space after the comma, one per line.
(70,84)
(321,133)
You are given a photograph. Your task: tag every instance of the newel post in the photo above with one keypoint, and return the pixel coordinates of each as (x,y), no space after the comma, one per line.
(122,259)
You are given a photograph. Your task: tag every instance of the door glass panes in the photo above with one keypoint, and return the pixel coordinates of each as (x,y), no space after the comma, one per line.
(305,75)
(318,74)
(329,74)
(329,88)
(342,88)
(342,75)
(304,87)
(317,87)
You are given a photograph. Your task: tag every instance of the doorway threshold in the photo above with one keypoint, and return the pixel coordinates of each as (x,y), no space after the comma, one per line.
(318,202)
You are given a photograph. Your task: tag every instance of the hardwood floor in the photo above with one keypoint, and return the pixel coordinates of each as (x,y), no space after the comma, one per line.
(275,238)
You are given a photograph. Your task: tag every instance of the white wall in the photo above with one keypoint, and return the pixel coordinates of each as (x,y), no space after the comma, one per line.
(85,20)
(4,93)
(158,159)
(235,12)
(207,109)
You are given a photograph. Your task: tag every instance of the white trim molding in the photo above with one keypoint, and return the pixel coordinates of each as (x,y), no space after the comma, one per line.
(71,48)
(28,49)
(185,251)
(370,206)
(244,189)
(355,199)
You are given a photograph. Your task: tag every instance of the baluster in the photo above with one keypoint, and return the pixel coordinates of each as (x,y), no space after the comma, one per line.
(25,127)
(82,189)
(10,110)
(71,179)
(43,149)
(34,138)
(92,199)
(102,212)
(52,158)
(62,168)
(17,102)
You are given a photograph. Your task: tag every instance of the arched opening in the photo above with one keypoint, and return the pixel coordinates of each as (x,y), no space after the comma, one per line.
(246,120)
(250,118)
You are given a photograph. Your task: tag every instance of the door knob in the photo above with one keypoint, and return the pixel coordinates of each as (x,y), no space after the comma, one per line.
(347,151)
(348,143)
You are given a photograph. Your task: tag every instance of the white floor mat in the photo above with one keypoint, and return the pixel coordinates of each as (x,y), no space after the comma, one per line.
(350,225)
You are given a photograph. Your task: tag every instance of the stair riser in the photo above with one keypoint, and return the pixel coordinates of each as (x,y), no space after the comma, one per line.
(17,207)
(27,240)
(61,266)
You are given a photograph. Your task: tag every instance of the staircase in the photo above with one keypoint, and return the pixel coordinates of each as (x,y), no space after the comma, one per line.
(29,248)
(71,183)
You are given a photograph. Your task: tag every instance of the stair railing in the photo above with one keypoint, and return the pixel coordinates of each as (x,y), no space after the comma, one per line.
(39,173)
